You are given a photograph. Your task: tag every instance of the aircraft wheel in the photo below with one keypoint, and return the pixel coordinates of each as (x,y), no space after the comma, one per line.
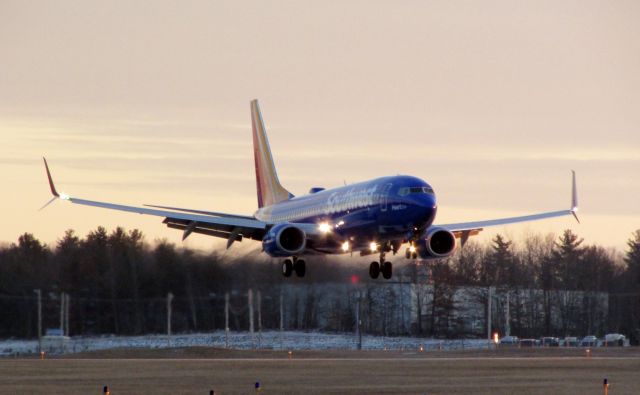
(374,270)
(407,253)
(300,267)
(287,268)
(387,270)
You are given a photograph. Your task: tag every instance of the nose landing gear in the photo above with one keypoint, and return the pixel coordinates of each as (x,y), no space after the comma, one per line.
(297,265)
(384,267)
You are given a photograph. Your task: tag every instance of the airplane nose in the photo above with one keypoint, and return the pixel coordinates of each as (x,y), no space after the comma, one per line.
(428,201)
(427,204)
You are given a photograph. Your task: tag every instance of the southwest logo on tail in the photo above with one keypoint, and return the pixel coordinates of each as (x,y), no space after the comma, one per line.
(375,217)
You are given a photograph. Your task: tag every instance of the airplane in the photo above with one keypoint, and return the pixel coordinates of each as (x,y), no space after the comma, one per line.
(370,217)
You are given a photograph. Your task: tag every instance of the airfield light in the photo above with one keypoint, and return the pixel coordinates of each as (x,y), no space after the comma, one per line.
(373,246)
(345,246)
(324,227)
(496,338)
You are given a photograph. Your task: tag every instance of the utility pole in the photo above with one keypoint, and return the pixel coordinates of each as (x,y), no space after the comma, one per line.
(39,296)
(226,320)
(489,315)
(169,300)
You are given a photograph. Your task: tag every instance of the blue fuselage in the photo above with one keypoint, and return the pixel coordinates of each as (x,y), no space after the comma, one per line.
(381,210)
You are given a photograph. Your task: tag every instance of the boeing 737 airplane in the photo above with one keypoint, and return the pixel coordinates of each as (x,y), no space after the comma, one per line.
(371,217)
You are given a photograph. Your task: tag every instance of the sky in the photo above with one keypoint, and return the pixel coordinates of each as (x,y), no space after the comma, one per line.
(493,103)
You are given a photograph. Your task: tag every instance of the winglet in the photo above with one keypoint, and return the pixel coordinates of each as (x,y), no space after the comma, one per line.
(574,196)
(51,185)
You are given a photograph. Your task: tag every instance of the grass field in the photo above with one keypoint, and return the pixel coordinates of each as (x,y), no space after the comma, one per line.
(198,370)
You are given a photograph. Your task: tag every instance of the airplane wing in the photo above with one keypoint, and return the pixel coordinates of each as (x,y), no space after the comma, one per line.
(188,210)
(465,229)
(233,228)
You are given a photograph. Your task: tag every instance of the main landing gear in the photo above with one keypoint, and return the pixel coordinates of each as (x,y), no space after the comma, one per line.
(386,268)
(297,265)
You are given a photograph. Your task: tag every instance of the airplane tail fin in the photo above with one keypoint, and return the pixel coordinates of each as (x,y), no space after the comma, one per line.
(270,191)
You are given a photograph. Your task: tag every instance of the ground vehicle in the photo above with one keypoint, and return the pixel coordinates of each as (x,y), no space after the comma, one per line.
(550,342)
(570,341)
(509,340)
(589,341)
(528,343)
(614,339)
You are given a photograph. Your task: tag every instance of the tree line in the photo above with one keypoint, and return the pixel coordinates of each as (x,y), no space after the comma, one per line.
(118,284)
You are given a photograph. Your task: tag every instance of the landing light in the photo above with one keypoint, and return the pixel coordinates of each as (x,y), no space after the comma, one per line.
(324,227)
(412,248)
(373,246)
(345,246)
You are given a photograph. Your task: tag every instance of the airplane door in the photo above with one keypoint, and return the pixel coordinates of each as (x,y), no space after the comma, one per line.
(385,197)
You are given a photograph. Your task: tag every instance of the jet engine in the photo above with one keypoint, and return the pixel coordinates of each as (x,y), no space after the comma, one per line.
(284,240)
(436,243)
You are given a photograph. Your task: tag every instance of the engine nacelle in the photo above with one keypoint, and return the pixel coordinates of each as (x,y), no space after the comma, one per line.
(437,243)
(284,240)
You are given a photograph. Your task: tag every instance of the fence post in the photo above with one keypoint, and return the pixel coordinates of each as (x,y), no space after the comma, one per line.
(62,298)
(281,317)
(66,314)
(358,329)
(489,317)
(226,320)
(507,328)
(259,319)
(250,302)
(39,297)
(169,300)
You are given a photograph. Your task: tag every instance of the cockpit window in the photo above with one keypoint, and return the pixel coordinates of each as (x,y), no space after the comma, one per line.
(413,190)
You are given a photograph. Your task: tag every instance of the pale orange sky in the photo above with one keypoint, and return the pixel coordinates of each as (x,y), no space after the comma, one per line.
(493,103)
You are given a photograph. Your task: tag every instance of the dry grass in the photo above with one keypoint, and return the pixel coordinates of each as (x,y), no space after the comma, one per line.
(197,370)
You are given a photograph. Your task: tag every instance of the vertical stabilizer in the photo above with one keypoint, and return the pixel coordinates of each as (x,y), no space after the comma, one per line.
(269,189)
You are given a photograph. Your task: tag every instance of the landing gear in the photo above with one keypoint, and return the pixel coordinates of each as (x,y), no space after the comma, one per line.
(409,254)
(374,270)
(287,268)
(297,265)
(300,267)
(386,268)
